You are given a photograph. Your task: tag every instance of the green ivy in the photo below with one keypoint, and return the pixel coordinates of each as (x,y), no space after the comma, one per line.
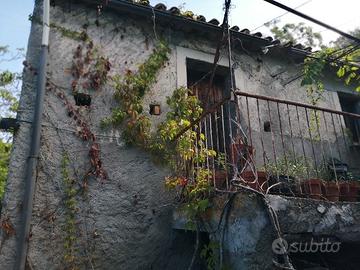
(209,253)
(65,32)
(4,164)
(190,148)
(184,110)
(129,93)
(70,256)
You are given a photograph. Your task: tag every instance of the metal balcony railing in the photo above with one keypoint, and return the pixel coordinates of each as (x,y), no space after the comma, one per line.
(283,147)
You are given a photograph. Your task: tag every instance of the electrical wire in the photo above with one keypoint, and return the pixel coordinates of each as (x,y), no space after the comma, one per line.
(274,19)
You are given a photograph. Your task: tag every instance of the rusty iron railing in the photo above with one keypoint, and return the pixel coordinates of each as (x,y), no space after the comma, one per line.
(278,146)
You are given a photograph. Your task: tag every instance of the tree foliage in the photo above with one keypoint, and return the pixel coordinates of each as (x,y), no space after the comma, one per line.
(296,33)
(342,54)
(9,85)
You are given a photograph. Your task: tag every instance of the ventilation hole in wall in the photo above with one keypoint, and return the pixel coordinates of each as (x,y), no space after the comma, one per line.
(82,99)
(155,109)
(267,126)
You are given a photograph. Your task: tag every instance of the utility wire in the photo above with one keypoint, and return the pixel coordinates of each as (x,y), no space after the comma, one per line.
(313,20)
(339,25)
(278,17)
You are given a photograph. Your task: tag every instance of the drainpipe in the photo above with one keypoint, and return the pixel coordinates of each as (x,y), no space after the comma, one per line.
(27,206)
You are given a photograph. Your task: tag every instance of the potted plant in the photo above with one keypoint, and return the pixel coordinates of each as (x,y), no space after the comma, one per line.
(313,188)
(331,191)
(332,173)
(221,170)
(349,189)
(286,174)
(220,178)
(240,152)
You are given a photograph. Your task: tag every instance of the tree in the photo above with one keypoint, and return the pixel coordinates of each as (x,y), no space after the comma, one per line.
(9,85)
(296,33)
(342,42)
(342,55)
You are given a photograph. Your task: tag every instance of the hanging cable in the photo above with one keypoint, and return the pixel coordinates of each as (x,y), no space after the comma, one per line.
(313,20)
(278,17)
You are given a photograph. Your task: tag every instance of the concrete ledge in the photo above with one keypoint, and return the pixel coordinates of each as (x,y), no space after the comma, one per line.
(301,216)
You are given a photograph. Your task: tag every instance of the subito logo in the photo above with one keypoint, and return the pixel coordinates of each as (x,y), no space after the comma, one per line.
(280,246)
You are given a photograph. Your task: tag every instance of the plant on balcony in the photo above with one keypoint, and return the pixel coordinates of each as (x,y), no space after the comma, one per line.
(349,188)
(186,155)
(287,173)
(330,186)
(173,143)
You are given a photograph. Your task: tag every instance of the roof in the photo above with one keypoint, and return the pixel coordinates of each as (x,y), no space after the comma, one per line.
(174,17)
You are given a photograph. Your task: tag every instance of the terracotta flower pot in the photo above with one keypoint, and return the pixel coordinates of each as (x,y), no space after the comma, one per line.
(331,191)
(261,183)
(220,179)
(284,185)
(349,191)
(313,188)
(239,149)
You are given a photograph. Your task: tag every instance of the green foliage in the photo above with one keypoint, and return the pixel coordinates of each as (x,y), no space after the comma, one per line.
(8,100)
(188,14)
(313,74)
(4,164)
(184,110)
(297,167)
(312,79)
(296,33)
(65,32)
(189,148)
(348,72)
(176,152)
(70,222)
(209,253)
(129,92)
(342,41)
(8,107)
(143,2)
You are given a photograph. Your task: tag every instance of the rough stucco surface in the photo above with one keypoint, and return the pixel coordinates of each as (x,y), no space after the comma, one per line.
(319,218)
(245,228)
(124,222)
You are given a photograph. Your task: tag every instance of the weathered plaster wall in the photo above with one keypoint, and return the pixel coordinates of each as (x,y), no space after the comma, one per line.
(243,228)
(317,218)
(125,221)
(246,232)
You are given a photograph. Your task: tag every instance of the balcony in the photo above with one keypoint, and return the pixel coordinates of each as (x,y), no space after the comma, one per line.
(282,170)
(276,146)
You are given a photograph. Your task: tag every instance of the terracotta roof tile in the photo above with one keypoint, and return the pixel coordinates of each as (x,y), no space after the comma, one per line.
(200,18)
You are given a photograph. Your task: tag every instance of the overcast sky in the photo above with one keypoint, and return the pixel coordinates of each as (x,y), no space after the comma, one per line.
(345,15)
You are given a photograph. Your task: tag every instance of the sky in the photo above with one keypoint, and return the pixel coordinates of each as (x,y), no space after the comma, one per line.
(15,26)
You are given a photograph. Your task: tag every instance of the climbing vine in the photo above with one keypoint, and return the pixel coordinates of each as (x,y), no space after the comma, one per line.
(209,253)
(65,32)
(186,155)
(129,92)
(70,222)
(88,69)
(85,133)
(313,77)
(179,153)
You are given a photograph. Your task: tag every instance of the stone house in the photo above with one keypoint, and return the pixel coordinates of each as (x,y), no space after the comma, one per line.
(121,216)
